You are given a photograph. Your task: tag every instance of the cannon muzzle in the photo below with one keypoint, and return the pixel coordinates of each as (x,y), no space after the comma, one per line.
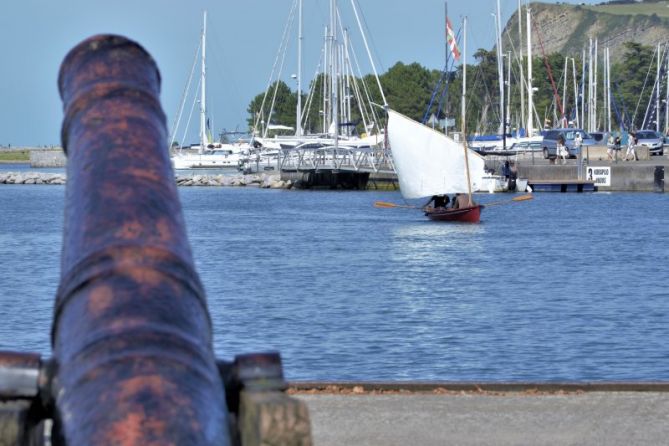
(133,362)
(131,333)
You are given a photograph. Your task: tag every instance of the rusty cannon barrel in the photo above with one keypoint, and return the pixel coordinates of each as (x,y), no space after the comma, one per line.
(131,334)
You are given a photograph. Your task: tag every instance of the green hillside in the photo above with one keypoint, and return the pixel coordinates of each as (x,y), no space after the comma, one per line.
(659,8)
(567,29)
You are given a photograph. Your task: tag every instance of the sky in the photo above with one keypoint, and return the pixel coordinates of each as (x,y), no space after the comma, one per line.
(243,38)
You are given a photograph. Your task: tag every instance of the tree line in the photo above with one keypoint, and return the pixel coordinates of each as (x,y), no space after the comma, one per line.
(409,88)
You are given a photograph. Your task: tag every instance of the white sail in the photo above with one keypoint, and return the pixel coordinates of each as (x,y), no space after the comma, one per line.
(428,162)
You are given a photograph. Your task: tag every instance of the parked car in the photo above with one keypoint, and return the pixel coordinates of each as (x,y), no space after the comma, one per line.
(651,139)
(526,146)
(549,143)
(599,137)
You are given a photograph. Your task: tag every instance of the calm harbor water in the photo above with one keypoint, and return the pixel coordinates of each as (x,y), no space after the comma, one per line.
(563,287)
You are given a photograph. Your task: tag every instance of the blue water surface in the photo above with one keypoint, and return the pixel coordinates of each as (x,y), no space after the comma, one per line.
(562,287)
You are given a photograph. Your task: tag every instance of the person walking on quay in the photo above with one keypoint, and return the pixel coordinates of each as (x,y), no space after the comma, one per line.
(631,147)
(578,142)
(562,149)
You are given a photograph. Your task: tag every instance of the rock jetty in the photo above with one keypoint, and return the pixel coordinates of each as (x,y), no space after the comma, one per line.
(264,181)
(31,178)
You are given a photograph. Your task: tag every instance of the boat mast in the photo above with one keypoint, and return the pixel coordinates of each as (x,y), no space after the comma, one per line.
(530,105)
(594,88)
(500,73)
(666,105)
(463,106)
(608,91)
(590,109)
(447,50)
(522,75)
(333,74)
(507,121)
(203,119)
(583,64)
(564,92)
(573,73)
(657,95)
(299,75)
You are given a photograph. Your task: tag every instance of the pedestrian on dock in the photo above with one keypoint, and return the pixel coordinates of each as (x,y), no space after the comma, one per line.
(562,149)
(631,147)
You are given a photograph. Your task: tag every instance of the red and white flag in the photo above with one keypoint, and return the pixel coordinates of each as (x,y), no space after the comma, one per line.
(450,39)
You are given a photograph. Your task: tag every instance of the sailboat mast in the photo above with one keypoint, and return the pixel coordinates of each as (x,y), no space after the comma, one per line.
(299,75)
(334,73)
(595,127)
(608,91)
(573,73)
(463,107)
(522,74)
(564,91)
(583,65)
(657,95)
(446,54)
(590,109)
(500,73)
(666,105)
(507,121)
(530,105)
(203,119)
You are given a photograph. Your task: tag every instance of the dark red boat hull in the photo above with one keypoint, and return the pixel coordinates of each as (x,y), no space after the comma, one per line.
(470,214)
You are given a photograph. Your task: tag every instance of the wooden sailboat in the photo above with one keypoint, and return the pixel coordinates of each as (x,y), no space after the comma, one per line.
(430,163)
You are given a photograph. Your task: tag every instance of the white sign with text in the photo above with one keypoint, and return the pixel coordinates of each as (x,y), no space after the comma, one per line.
(600,175)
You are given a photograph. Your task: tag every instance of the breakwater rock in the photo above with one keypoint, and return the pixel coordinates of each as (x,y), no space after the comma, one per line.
(31,178)
(264,181)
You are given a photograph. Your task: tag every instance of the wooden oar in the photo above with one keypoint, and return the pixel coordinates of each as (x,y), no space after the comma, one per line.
(385,204)
(520,198)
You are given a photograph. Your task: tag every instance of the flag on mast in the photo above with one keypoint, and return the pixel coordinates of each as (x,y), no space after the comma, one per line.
(450,39)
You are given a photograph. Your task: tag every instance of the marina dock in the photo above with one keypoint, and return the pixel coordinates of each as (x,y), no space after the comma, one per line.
(350,170)
(607,414)
(486,413)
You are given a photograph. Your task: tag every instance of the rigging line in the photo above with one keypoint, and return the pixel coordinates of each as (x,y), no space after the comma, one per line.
(277,82)
(525,83)
(259,113)
(652,93)
(369,54)
(442,79)
(312,90)
(219,55)
(184,96)
(348,66)
(444,95)
(367,115)
(548,65)
(365,88)
(435,90)
(190,115)
(650,66)
(371,36)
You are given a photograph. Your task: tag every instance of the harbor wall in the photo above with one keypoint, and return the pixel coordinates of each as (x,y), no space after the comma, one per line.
(629,177)
(47,158)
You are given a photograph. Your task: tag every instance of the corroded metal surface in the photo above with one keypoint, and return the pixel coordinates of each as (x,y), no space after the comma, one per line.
(131,332)
(19,375)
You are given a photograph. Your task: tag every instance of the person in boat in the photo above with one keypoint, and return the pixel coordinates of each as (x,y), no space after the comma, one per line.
(462,201)
(438,201)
